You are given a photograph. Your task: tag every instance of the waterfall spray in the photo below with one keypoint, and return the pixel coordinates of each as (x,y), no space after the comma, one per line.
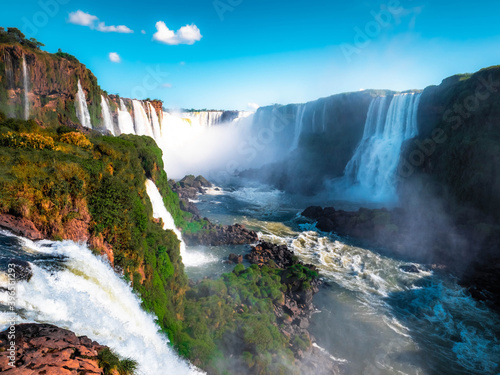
(125,123)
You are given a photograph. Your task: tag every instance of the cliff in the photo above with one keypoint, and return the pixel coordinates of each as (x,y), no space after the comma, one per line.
(46,349)
(330,130)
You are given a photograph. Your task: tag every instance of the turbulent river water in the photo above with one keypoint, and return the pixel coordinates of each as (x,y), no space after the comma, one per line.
(372,317)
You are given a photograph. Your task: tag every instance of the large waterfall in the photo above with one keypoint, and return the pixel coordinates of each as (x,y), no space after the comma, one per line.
(106,116)
(299,121)
(26,90)
(82,111)
(204,118)
(370,174)
(85,295)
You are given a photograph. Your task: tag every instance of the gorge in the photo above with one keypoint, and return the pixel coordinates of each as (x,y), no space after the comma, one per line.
(409,284)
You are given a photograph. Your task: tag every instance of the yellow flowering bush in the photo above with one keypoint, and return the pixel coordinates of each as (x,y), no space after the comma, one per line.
(27,140)
(77,139)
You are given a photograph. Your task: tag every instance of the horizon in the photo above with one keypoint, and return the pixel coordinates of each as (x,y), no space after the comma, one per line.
(241,56)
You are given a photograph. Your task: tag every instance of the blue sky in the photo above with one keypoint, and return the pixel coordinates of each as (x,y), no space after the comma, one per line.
(227,54)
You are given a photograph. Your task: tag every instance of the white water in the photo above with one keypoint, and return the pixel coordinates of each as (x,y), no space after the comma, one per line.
(141,119)
(371,172)
(203,118)
(189,258)
(26,90)
(125,122)
(87,297)
(106,115)
(394,322)
(155,123)
(190,147)
(82,111)
(299,121)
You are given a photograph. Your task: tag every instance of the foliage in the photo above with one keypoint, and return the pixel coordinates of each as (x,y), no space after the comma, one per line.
(233,317)
(110,362)
(15,36)
(27,140)
(77,139)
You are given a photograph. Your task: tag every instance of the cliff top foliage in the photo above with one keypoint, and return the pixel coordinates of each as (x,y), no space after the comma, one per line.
(15,36)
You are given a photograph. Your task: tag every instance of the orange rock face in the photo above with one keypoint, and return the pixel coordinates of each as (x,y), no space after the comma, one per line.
(47,349)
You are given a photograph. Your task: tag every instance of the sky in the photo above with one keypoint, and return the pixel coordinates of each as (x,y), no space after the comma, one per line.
(240,54)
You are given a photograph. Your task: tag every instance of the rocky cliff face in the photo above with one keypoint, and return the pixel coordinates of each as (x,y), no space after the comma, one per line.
(319,137)
(52,84)
(47,349)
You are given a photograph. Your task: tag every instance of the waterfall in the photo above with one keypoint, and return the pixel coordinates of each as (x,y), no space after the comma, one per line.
(106,115)
(125,123)
(371,170)
(26,90)
(191,258)
(299,121)
(155,124)
(86,296)
(9,72)
(82,111)
(204,118)
(141,119)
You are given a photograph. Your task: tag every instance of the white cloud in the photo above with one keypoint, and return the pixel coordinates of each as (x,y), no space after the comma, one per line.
(82,18)
(253,106)
(113,29)
(167,85)
(143,31)
(188,34)
(86,19)
(114,57)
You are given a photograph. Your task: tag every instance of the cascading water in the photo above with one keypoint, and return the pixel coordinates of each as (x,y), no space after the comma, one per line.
(141,119)
(370,173)
(204,118)
(82,111)
(190,259)
(9,71)
(73,289)
(299,121)
(125,123)
(155,124)
(106,115)
(26,90)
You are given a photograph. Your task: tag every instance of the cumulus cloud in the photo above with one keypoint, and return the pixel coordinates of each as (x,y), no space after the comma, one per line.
(82,18)
(114,57)
(253,106)
(188,34)
(91,21)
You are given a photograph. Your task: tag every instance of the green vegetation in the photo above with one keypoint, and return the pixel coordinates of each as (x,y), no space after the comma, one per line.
(15,36)
(111,362)
(230,323)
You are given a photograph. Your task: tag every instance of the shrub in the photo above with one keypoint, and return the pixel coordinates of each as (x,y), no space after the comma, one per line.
(27,140)
(76,138)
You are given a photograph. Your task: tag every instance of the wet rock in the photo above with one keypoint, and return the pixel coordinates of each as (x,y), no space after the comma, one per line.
(216,235)
(409,268)
(20,226)
(235,259)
